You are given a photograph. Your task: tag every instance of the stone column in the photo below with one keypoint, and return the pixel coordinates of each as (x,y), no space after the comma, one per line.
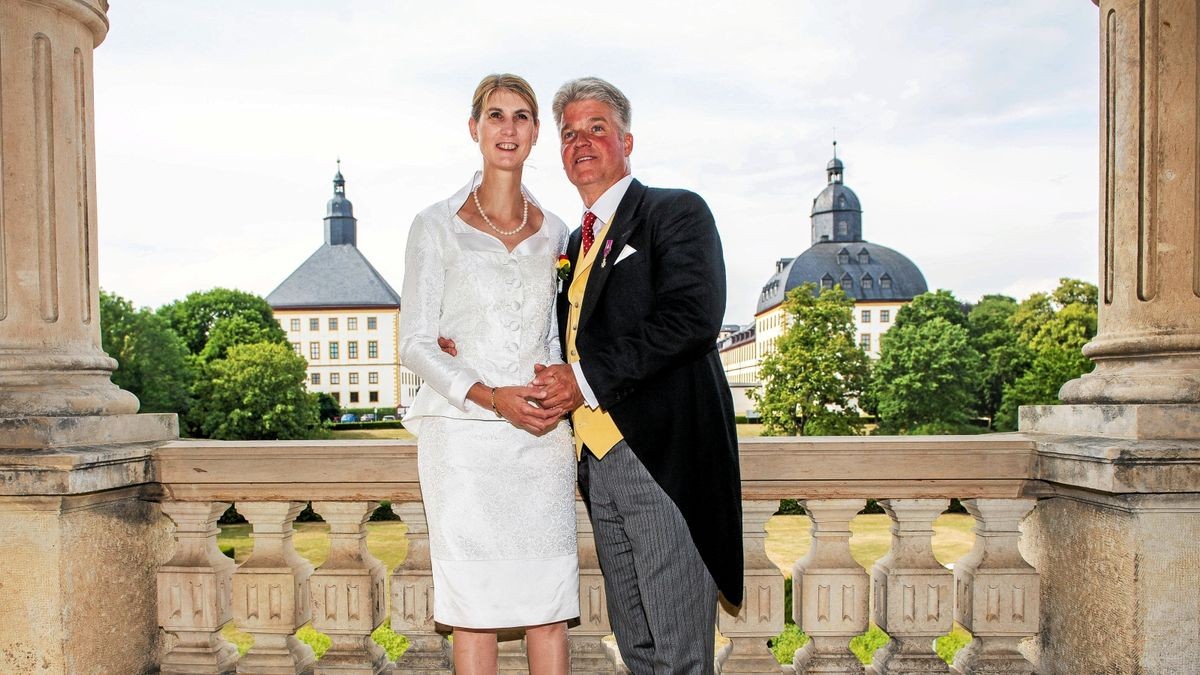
(347,592)
(194,590)
(1117,544)
(1148,346)
(830,591)
(761,615)
(270,592)
(50,357)
(912,593)
(73,459)
(997,593)
(412,600)
(588,656)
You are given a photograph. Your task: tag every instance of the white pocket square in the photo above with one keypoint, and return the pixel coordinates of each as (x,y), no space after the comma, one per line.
(625,253)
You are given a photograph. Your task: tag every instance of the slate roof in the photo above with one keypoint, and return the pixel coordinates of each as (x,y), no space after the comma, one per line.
(334,276)
(337,274)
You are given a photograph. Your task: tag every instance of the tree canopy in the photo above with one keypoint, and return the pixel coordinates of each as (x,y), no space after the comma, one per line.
(818,370)
(193,318)
(153,362)
(255,392)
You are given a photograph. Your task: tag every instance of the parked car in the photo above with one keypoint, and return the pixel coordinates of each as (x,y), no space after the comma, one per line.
(389,418)
(369,417)
(349,417)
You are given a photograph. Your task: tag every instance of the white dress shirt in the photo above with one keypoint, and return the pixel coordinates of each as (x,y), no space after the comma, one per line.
(605,207)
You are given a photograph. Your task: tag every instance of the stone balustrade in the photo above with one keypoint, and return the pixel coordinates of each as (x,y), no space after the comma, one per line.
(993,592)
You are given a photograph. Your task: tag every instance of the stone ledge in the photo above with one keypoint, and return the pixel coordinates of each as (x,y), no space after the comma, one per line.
(24,434)
(75,470)
(1130,421)
(1115,466)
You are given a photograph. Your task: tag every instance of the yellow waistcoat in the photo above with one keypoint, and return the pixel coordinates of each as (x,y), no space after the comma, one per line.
(594,428)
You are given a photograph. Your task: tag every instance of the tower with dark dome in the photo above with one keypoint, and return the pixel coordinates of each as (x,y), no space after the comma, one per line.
(881,280)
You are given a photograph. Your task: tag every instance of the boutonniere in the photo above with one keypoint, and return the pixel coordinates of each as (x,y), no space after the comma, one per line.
(563,269)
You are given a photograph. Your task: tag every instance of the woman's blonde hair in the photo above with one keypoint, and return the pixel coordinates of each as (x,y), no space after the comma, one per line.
(514,83)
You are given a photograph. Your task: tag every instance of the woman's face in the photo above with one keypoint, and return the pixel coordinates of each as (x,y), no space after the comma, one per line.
(506,130)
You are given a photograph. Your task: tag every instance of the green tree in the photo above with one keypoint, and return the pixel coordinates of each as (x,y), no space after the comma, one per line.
(328,407)
(228,331)
(924,307)
(926,378)
(1053,327)
(255,392)
(194,316)
(153,362)
(997,340)
(817,371)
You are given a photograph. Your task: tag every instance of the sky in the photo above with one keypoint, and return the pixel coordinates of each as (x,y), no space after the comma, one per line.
(968,128)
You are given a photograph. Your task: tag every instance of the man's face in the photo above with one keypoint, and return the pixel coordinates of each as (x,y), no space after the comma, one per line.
(595,155)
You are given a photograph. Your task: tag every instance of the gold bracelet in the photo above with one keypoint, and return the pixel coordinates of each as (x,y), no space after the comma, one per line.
(494,404)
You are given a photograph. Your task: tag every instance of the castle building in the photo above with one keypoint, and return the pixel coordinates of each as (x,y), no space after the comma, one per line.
(879,279)
(343,317)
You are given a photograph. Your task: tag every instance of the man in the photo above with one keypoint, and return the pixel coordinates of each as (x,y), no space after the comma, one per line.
(653,416)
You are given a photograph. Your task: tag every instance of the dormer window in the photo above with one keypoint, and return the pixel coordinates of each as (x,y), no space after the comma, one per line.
(867,281)
(826,282)
(843,257)
(847,281)
(885,281)
(864,257)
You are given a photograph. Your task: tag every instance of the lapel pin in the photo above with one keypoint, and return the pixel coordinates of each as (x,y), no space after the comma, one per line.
(607,248)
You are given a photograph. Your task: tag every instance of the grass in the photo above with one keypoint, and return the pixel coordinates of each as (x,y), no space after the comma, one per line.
(787,541)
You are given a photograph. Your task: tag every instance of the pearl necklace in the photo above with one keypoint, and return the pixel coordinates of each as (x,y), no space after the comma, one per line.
(503,233)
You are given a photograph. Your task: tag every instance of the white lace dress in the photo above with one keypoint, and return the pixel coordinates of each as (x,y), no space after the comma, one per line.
(500,502)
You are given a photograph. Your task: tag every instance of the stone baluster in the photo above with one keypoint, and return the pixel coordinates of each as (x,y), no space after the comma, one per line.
(761,615)
(997,592)
(830,591)
(412,600)
(194,592)
(348,592)
(270,591)
(588,655)
(912,592)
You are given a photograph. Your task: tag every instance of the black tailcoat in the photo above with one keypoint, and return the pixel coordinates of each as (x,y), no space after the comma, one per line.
(647,345)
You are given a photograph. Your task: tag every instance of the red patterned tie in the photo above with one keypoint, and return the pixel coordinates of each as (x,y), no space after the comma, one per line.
(589,235)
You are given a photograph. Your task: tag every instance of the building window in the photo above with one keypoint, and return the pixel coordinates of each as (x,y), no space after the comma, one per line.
(846,283)
(315,378)
(372,377)
(335,378)
(885,281)
(867,281)
(864,258)
(333,350)
(352,349)
(314,350)
(352,323)
(843,228)
(826,282)
(353,378)
(866,316)
(372,323)
(372,349)
(843,257)
(354,397)
(885,315)
(864,341)
(314,324)
(373,396)
(296,347)
(333,323)
(295,324)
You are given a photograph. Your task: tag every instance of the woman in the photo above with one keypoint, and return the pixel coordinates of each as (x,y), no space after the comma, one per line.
(480,269)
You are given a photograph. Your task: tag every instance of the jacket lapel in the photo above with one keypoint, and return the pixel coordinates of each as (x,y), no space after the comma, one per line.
(625,221)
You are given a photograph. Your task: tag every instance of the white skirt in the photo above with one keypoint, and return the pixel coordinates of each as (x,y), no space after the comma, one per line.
(501,509)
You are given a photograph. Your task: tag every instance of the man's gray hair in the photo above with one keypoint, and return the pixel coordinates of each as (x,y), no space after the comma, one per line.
(593,89)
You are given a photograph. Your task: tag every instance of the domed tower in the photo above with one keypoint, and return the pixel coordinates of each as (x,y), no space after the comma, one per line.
(341,227)
(879,279)
(836,212)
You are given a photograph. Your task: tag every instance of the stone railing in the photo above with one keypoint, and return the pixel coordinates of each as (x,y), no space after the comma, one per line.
(993,591)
